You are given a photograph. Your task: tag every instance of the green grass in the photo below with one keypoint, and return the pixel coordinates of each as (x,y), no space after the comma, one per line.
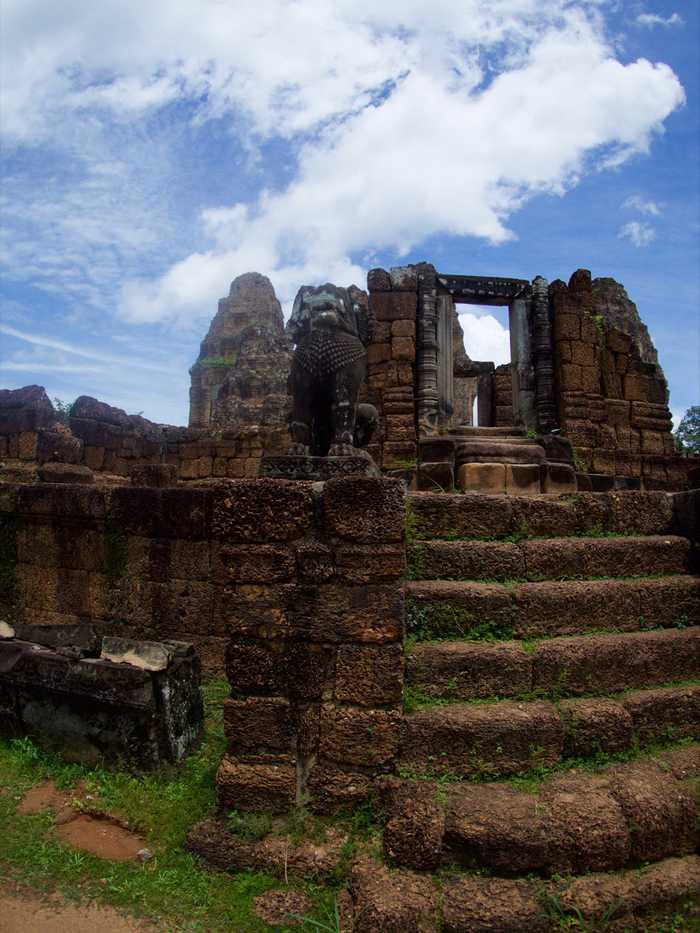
(173,887)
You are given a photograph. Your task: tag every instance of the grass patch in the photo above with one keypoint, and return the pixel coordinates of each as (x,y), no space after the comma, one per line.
(172,888)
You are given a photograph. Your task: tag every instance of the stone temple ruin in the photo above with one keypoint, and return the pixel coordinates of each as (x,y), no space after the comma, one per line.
(490,631)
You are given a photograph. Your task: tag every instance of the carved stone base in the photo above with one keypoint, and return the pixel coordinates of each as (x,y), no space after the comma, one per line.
(318,468)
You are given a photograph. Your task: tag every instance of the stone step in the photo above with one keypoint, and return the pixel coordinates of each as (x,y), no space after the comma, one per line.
(472,515)
(549,558)
(469,430)
(493,439)
(500,450)
(439,609)
(640,811)
(496,739)
(587,664)
(661,895)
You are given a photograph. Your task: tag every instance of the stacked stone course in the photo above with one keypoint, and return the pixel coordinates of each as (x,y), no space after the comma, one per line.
(393,300)
(315,657)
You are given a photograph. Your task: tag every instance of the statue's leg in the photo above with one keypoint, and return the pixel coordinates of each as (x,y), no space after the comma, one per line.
(302,412)
(346,386)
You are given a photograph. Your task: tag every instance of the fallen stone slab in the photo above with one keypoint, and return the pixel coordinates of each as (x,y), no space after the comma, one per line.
(94,710)
(146,655)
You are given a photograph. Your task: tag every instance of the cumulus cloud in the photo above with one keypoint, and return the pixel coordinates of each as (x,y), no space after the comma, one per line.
(654,19)
(636,202)
(485,338)
(400,121)
(638,233)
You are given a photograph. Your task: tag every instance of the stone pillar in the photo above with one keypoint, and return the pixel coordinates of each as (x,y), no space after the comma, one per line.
(427,395)
(445,357)
(315,611)
(544,356)
(523,371)
(391,363)
(485,395)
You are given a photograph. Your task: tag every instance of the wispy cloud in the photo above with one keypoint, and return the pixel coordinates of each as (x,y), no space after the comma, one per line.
(74,350)
(34,367)
(639,233)
(636,202)
(654,19)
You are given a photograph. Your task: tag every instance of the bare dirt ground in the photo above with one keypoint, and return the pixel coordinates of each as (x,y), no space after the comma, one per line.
(21,911)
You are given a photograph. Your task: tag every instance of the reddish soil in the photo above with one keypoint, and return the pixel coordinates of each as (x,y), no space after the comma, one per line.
(102,836)
(97,833)
(24,912)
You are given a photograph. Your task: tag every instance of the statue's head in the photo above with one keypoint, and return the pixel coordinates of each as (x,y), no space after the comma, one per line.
(324,306)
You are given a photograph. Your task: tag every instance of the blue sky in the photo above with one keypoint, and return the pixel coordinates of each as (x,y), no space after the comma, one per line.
(152,154)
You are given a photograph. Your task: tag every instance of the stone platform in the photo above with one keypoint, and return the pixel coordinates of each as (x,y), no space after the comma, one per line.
(495,461)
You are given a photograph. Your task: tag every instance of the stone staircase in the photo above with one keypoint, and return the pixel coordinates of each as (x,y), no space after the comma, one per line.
(549,769)
(493,460)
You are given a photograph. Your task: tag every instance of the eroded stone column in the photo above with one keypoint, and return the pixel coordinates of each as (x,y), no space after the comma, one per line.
(445,357)
(427,350)
(523,371)
(544,356)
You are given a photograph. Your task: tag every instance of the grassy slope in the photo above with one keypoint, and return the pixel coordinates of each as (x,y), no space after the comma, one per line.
(162,805)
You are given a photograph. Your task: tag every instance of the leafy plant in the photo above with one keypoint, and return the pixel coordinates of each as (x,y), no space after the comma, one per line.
(63,409)
(687,436)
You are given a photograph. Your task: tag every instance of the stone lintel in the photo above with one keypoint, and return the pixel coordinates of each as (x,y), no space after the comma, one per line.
(484,290)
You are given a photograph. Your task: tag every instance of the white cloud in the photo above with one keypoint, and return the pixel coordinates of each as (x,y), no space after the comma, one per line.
(636,202)
(653,19)
(403,120)
(50,343)
(485,338)
(639,233)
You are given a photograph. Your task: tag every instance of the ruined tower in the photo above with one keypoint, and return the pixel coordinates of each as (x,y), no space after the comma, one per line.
(240,376)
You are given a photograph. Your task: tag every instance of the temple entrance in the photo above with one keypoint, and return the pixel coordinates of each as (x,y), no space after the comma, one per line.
(486,337)
(505,394)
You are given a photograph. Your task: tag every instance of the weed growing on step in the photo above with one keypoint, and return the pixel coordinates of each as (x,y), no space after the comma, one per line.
(571,918)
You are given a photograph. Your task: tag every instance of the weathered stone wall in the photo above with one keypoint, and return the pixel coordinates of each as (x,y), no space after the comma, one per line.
(613,403)
(315,657)
(110,442)
(294,588)
(393,300)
